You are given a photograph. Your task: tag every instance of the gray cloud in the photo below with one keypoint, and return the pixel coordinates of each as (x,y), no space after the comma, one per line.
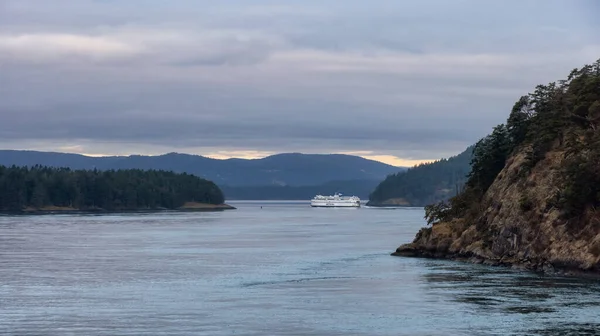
(419,80)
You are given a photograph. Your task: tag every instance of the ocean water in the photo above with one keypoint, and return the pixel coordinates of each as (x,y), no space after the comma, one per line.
(283,269)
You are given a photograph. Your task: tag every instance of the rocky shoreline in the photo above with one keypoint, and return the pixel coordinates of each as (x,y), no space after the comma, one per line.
(431,246)
(415,251)
(544,267)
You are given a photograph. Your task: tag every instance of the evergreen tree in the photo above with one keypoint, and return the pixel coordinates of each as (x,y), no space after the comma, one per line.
(37,187)
(426,183)
(562,115)
(489,158)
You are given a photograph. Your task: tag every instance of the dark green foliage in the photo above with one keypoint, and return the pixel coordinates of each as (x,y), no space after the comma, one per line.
(456,207)
(426,183)
(489,157)
(581,169)
(38,186)
(437,212)
(519,121)
(535,154)
(563,115)
(547,124)
(556,114)
(581,173)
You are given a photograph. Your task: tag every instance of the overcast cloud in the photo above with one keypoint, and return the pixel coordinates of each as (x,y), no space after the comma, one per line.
(418,80)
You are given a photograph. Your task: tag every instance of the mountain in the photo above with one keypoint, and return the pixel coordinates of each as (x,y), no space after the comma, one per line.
(291,169)
(531,200)
(425,183)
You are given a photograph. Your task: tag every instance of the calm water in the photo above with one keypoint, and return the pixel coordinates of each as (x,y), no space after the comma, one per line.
(285,269)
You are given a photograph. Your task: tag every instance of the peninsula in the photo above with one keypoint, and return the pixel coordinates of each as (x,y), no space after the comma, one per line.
(531,199)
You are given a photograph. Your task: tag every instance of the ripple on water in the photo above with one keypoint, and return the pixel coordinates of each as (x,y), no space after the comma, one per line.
(284,270)
(567,329)
(291,281)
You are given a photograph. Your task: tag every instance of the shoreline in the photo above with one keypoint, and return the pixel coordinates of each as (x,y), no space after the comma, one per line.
(540,266)
(392,202)
(52,210)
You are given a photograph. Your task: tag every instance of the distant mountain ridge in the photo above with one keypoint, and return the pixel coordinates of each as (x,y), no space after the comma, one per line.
(288,169)
(360,188)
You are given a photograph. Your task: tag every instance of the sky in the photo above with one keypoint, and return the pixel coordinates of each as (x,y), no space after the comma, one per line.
(401,82)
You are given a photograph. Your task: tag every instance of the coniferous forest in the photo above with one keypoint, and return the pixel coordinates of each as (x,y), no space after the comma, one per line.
(560,116)
(425,183)
(40,187)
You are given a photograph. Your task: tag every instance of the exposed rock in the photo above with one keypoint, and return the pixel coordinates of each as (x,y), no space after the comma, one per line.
(531,198)
(505,234)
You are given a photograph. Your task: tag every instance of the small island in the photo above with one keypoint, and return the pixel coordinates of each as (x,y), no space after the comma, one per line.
(41,189)
(532,197)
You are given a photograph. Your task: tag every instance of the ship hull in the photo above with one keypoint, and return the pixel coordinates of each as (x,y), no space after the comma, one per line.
(334,204)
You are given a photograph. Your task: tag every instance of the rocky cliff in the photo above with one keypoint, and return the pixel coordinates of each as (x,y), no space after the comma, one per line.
(531,198)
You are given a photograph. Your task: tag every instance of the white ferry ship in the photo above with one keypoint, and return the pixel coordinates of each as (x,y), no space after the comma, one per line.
(334,201)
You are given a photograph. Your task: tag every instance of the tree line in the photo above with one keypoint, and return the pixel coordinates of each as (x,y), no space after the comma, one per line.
(426,183)
(39,186)
(563,114)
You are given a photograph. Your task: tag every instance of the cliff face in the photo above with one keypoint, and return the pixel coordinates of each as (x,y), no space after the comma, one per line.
(518,226)
(536,214)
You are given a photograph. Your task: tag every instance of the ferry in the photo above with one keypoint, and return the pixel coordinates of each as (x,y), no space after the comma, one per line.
(335,201)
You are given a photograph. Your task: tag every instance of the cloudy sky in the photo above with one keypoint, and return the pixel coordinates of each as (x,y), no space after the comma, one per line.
(398,81)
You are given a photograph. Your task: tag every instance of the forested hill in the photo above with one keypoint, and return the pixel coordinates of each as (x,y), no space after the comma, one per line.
(425,183)
(290,169)
(533,194)
(42,188)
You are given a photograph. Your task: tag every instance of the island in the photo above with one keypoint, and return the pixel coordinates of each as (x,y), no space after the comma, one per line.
(41,189)
(531,199)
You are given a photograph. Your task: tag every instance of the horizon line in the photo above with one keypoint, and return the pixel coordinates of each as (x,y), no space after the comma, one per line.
(385,159)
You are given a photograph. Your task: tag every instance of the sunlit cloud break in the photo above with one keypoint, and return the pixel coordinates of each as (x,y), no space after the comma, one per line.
(401,82)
